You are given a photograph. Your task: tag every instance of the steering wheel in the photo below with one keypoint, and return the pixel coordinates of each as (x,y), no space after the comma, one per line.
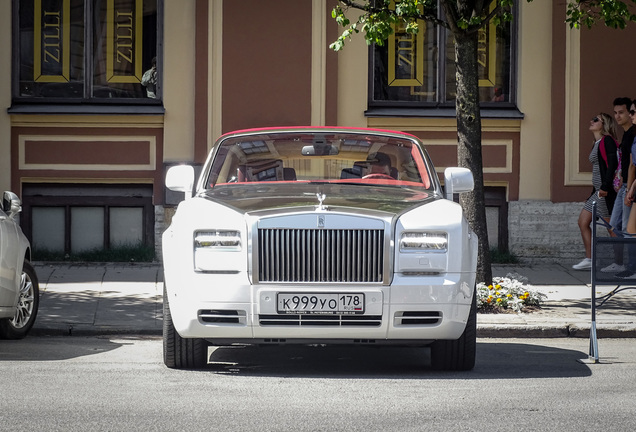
(378,176)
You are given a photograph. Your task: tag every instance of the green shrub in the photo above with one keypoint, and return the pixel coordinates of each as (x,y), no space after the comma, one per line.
(502,257)
(120,253)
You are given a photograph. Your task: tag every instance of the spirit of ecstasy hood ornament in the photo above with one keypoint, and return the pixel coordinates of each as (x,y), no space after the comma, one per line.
(321,198)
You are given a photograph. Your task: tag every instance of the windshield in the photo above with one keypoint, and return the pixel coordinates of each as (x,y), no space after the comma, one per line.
(326,157)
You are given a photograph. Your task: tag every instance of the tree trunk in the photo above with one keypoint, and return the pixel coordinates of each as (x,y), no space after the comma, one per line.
(469,145)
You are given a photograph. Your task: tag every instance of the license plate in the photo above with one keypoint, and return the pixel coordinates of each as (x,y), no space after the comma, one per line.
(321,303)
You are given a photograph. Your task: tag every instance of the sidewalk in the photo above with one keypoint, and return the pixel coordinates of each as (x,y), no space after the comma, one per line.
(92,298)
(89,299)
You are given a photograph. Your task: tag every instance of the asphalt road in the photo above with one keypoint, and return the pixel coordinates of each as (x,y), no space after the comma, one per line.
(102,383)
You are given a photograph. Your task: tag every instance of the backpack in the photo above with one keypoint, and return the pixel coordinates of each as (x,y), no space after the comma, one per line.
(617,180)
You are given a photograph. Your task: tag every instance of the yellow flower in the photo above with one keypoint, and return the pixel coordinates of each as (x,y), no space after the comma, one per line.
(489,287)
(508,295)
(497,286)
(498,300)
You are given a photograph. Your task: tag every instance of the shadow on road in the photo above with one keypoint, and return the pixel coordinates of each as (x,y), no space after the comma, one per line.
(494,361)
(55,348)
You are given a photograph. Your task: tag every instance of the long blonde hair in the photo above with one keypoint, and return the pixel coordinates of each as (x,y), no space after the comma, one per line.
(609,125)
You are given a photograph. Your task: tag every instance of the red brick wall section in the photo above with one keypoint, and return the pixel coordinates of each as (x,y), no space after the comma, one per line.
(266,64)
(85,160)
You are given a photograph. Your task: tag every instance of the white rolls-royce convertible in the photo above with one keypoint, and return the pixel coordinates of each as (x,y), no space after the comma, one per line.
(326,235)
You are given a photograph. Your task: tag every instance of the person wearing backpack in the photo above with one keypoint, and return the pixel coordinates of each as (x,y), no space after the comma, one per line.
(604,160)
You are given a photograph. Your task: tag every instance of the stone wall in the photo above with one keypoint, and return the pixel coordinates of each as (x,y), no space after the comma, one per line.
(543,231)
(163,218)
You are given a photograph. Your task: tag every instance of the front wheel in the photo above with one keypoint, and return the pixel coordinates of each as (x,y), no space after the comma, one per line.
(458,355)
(178,352)
(28,303)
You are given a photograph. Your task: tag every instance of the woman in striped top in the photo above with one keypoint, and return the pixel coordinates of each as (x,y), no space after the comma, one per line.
(603,158)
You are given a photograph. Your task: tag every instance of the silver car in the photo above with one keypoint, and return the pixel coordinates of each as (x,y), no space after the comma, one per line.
(19,290)
(319,236)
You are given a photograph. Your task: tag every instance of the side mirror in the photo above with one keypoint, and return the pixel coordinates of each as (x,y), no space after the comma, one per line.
(180,178)
(11,204)
(457,180)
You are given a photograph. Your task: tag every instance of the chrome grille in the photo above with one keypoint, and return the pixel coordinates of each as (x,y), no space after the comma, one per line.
(418,318)
(320,320)
(219,316)
(320,255)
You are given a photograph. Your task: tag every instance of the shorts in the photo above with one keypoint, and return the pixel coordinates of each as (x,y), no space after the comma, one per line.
(601,205)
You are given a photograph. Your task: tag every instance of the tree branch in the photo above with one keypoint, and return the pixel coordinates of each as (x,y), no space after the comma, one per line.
(369,8)
(365,7)
(496,11)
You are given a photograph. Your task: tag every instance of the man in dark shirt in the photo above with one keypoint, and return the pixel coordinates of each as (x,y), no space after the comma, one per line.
(620,212)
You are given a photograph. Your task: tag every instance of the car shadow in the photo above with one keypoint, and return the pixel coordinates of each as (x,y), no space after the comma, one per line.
(494,361)
(57,348)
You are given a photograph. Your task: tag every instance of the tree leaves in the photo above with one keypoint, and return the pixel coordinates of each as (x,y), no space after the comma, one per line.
(378,18)
(613,13)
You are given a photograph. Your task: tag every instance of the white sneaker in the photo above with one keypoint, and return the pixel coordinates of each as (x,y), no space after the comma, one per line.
(613,268)
(627,274)
(585,264)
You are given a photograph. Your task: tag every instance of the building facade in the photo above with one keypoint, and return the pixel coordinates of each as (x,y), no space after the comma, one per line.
(102,96)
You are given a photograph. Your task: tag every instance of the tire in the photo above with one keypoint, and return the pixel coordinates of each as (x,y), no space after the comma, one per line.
(457,355)
(178,352)
(28,303)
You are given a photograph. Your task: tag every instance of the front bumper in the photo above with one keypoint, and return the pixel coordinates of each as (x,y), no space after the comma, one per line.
(226,309)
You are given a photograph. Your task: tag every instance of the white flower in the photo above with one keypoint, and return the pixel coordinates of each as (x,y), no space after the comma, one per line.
(510,292)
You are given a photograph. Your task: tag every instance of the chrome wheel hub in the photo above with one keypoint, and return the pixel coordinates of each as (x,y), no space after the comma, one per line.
(25,302)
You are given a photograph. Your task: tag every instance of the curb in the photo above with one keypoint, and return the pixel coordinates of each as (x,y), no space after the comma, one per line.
(484,331)
(574,330)
(88,330)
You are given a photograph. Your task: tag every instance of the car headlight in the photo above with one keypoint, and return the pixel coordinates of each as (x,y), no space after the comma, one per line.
(423,241)
(218,240)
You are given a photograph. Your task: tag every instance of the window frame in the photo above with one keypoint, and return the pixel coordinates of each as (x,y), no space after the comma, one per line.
(105,203)
(87,104)
(441,107)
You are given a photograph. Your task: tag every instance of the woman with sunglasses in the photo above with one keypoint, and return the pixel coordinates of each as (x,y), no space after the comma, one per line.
(604,163)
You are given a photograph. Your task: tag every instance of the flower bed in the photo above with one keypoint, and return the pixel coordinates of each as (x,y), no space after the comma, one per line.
(510,293)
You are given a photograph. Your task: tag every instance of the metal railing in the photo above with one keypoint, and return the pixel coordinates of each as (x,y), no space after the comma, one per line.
(603,254)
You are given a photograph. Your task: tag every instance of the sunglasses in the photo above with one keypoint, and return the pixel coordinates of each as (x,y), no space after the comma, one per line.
(632,112)
(596,120)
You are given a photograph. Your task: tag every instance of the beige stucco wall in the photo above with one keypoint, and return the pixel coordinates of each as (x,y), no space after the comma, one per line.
(534,83)
(5,95)
(178,81)
(215,68)
(353,71)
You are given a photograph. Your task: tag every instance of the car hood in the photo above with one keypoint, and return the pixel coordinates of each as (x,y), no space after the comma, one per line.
(248,198)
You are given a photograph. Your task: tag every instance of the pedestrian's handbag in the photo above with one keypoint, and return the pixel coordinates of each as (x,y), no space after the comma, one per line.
(617,180)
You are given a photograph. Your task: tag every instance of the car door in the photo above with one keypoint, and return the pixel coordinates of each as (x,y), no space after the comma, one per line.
(9,247)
